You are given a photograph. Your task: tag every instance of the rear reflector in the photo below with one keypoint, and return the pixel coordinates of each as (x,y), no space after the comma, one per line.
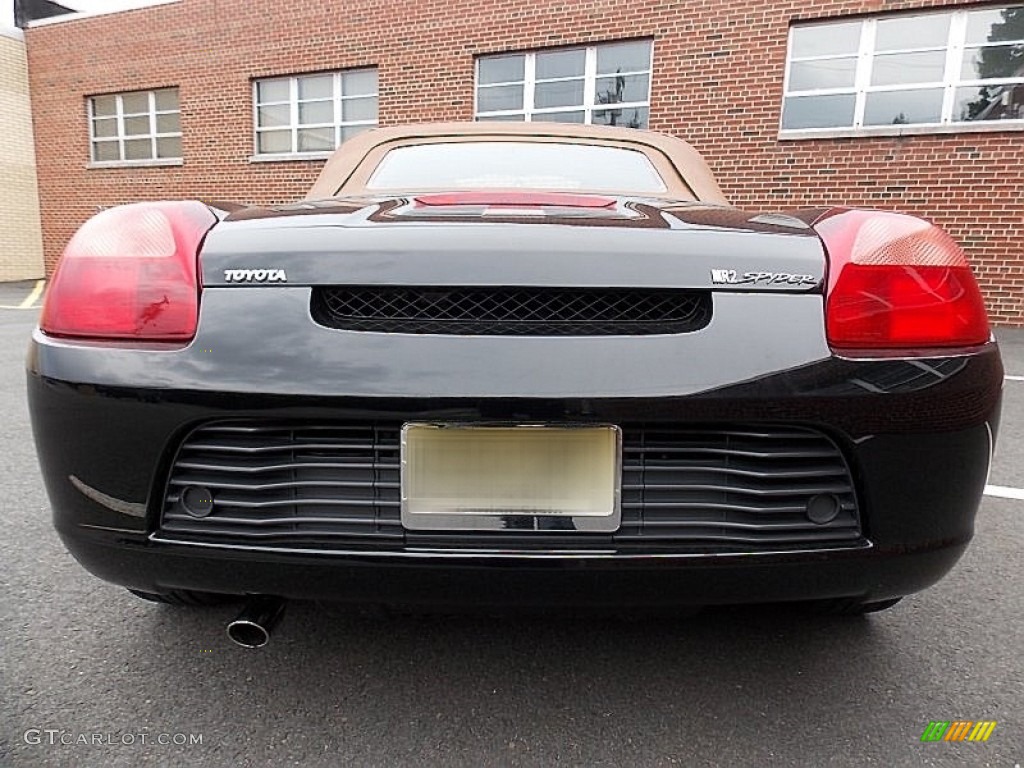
(130,272)
(897,282)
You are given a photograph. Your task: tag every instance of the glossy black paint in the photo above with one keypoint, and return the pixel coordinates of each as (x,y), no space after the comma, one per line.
(917,431)
(383,241)
(467,580)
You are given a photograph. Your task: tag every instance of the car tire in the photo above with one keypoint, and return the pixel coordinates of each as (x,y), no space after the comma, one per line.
(848,606)
(185,597)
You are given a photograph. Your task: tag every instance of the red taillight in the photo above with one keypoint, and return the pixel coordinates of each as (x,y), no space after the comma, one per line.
(130,272)
(897,282)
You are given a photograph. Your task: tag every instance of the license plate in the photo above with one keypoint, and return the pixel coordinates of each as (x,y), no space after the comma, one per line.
(522,478)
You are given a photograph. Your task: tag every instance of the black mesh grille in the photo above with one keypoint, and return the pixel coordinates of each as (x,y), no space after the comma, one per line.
(337,486)
(512,311)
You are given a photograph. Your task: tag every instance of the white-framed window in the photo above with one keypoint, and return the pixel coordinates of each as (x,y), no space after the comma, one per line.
(607,84)
(312,114)
(135,127)
(940,68)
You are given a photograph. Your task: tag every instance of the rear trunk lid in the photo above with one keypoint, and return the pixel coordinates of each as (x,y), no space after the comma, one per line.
(514,239)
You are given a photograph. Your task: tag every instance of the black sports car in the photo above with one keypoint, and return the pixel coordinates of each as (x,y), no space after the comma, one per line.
(499,363)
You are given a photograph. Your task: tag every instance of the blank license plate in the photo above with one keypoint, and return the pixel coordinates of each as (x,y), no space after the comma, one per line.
(522,477)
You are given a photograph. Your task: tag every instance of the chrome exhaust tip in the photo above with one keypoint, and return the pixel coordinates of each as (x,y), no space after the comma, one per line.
(257,620)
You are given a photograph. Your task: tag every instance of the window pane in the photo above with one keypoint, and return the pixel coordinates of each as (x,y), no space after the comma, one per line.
(134,103)
(319,87)
(564,93)
(354,130)
(903,107)
(623,57)
(316,139)
(104,105)
(270,142)
(501,69)
(136,126)
(362,83)
(515,164)
(359,109)
(274,116)
(502,118)
(169,123)
(822,73)
(168,147)
(166,99)
(138,149)
(902,32)
(629,117)
(612,90)
(499,97)
(996,25)
(561,117)
(896,68)
(316,112)
(105,151)
(560,64)
(826,39)
(106,127)
(993,61)
(992,102)
(819,111)
(272,90)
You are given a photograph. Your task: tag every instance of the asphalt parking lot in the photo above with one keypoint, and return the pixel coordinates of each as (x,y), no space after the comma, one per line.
(739,686)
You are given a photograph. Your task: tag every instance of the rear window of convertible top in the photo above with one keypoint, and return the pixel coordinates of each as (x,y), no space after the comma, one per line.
(516,165)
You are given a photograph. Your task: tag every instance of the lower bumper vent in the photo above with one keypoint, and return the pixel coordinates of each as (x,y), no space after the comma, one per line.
(337,486)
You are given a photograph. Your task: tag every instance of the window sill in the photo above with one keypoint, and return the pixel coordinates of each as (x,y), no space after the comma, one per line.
(1007,126)
(289,157)
(162,163)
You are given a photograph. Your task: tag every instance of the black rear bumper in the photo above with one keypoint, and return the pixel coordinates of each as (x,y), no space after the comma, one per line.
(918,454)
(460,579)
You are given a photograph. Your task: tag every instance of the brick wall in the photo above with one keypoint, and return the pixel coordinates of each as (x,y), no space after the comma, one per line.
(21,256)
(717,83)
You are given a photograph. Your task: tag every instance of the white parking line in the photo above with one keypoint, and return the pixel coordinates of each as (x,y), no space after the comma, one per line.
(1004,492)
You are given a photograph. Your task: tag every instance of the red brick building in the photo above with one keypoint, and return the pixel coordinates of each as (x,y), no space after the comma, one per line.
(916,105)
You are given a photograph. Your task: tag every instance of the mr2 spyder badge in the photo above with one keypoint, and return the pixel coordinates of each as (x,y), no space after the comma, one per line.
(255,276)
(732,277)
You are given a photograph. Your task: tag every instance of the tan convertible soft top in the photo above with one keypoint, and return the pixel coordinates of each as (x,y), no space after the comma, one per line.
(685,173)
